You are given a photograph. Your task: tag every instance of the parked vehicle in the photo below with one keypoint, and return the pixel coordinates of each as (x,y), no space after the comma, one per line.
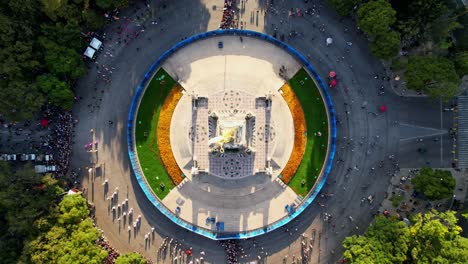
(44,168)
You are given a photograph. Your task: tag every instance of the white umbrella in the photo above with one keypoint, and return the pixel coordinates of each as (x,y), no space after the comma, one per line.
(329,41)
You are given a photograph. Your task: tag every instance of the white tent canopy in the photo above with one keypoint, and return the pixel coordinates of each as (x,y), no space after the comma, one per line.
(89,52)
(95,43)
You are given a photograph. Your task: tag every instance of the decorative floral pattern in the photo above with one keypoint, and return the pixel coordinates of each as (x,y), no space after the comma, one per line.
(300,130)
(163,134)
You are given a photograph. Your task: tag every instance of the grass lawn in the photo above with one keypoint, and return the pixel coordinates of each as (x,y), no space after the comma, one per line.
(147,121)
(316,120)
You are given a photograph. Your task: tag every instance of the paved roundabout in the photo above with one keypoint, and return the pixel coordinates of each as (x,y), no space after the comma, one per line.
(229,134)
(364,136)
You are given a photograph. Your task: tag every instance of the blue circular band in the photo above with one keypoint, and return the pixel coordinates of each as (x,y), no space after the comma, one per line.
(212,234)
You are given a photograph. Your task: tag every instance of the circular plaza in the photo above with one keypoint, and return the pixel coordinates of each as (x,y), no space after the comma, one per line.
(231,134)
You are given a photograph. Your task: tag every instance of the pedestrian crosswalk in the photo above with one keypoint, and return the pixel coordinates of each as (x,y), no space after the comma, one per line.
(462,141)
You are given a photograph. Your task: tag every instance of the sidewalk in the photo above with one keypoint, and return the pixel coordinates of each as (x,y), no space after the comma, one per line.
(401,185)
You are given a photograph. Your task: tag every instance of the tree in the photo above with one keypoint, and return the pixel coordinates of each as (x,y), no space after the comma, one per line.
(436,239)
(434,75)
(109,4)
(73,209)
(343,7)
(93,19)
(415,16)
(59,93)
(386,45)
(25,197)
(433,237)
(461,63)
(386,240)
(7,32)
(52,7)
(63,61)
(20,100)
(440,30)
(72,239)
(68,34)
(81,246)
(131,258)
(434,184)
(376,17)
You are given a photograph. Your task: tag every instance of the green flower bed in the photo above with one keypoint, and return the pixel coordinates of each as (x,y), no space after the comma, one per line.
(316,121)
(146,133)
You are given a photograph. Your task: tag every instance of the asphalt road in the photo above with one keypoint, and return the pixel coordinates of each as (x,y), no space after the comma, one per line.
(365,136)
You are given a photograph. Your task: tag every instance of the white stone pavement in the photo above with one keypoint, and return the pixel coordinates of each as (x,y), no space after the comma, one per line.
(249,68)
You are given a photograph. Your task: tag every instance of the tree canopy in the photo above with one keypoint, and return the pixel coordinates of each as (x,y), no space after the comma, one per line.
(434,184)
(433,237)
(344,7)
(44,38)
(386,240)
(72,239)
(386,46)
(131,258)
(25,199)
(461,63)
(376,17)
(433,75)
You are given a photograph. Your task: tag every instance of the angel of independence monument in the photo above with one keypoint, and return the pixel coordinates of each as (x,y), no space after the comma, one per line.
(239,136)
(229,135)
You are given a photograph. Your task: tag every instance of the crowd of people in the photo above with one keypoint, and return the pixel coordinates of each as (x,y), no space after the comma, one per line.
(229,15)
(112,253)
(233,250)
(61,142)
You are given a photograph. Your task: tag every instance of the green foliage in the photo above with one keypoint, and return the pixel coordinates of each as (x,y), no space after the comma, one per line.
(434,184)
(434,75)
(59,93)
(386,240)
(93,19)
(63,34)
(71,240)
(52,7)
(131,258)
(414,18)
(376,17)
(436,239)
(25,198)
(73,210)
(344,7)
(440,30)
(63,61)
(43,37)
(396,200)
(399,63)
(7,32)
(110,4)
(81,246)
(431,238)
(386,45)
(461,63)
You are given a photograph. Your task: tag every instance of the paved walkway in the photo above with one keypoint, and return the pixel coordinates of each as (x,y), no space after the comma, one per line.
(242,71)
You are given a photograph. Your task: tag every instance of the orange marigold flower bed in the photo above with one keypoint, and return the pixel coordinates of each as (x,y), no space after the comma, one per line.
(163,132)
(300,130)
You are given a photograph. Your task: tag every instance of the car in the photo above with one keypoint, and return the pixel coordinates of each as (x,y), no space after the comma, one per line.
(220,45)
